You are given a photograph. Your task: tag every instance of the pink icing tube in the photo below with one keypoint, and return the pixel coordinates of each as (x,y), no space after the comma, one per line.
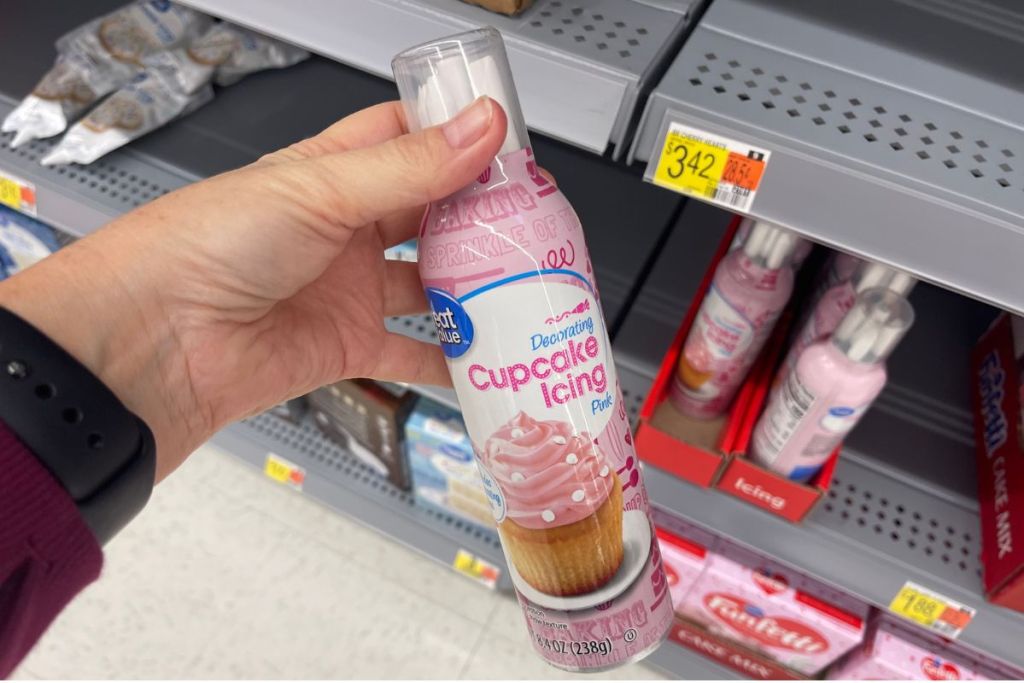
(508,278)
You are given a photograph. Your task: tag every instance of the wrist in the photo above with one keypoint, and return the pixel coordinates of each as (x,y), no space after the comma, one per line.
(83,299)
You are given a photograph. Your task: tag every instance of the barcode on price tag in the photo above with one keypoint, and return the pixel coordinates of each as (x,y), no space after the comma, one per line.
(18,194)
(713,168)
(932,610)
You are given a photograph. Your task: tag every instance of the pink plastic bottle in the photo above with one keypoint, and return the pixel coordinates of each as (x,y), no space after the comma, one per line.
(836,302)
(749,290)
(833,383)
(507,275)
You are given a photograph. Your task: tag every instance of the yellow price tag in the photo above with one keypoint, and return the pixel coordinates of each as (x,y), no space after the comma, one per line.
(18,195)
(284,472)
(690,164)
(916,606)
(475,568)
(710,167)
(931,610)
(10,193)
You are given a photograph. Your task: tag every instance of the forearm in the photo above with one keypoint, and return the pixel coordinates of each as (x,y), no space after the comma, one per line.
(93,299)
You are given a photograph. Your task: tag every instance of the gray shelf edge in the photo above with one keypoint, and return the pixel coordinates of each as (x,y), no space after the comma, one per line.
(394,521)
(682,663)
(81,199)
(915,215)
(565,93)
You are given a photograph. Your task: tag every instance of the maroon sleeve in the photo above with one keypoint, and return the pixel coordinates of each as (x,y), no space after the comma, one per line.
(47,553)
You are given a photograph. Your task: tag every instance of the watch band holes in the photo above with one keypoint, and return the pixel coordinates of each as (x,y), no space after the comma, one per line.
(17,369)
(45,391)
(95,441)
(72,416)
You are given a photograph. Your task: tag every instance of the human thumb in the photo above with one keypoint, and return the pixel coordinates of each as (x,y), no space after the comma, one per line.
(413,169)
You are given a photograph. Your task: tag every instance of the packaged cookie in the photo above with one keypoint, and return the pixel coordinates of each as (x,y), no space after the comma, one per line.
(96,59)
(145,104)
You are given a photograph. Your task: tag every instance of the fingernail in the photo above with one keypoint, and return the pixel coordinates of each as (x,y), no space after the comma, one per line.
(469,124)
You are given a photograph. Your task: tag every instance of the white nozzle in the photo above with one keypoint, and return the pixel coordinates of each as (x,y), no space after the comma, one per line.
(769,246)
(871,275)
(439,79)
(873,327)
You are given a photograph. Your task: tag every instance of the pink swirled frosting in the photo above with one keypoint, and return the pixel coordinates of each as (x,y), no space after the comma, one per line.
(550,475)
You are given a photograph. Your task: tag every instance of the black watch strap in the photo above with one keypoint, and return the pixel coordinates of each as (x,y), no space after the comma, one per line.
(102,454)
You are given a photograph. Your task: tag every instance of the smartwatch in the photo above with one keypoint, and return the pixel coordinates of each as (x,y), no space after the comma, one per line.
(102,454)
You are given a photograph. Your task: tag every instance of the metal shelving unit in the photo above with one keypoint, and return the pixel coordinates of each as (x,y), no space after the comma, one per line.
(903,505)
(905,146)
(579,66)
(341,481)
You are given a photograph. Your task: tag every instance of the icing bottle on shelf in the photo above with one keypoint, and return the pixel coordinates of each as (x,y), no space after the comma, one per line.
(838,300)
(832,384)
(839,268)
(748,292)
(509,281)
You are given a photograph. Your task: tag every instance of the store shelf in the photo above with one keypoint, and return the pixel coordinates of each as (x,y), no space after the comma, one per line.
(579,67)
(859,551)
(891,135)
(679,663)
(341,481)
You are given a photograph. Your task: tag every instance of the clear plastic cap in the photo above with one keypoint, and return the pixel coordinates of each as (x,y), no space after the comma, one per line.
(874,326)
(870,275)
(437,80)
(769,246)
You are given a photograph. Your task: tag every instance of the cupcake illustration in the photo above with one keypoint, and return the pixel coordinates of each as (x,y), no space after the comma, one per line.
(563,522)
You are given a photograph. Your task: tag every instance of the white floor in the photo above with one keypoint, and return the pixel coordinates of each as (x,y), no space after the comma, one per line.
(227,575)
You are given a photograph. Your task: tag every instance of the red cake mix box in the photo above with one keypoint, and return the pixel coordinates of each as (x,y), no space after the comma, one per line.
(894,651)
(997,374)
(798,622)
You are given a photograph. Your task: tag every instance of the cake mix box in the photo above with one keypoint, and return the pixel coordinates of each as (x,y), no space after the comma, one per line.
(367,421)
(793,619)
(997,375)
(896,652)
(685,549)
(442,464)
(23,241)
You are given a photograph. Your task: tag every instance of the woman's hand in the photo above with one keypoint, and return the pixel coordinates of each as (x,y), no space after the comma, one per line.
(221,299)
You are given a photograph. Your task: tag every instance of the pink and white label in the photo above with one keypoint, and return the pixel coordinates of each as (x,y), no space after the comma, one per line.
(512,291)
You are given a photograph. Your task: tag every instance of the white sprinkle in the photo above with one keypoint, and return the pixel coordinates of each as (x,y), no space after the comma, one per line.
(572,459)
(578,495)
(560,440)
(518,476)
(517,432)
(548,516)
(604,471)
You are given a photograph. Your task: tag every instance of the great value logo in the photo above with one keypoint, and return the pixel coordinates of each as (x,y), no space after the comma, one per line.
(751,621)
(938,670)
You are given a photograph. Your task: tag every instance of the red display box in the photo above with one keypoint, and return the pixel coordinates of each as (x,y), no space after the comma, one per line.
(659,438)
(996,373)
(748,481)
(712,453)
(750,664)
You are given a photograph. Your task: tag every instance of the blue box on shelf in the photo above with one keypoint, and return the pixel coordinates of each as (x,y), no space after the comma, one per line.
(443,465)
